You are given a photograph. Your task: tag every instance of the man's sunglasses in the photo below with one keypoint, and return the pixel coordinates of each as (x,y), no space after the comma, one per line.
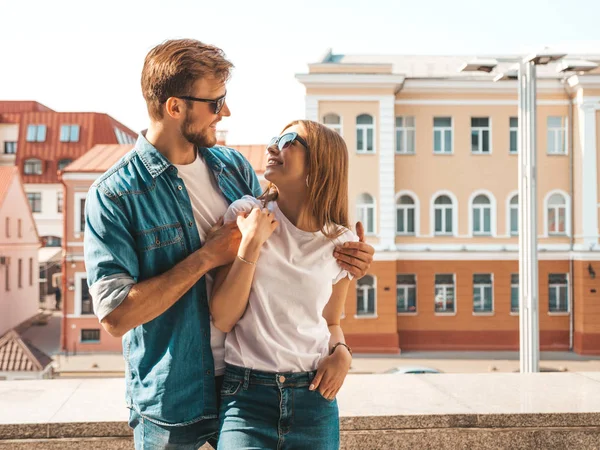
(286,140)
(218,103)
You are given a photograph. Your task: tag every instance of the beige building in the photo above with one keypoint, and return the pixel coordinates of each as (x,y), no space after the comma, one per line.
(433,176)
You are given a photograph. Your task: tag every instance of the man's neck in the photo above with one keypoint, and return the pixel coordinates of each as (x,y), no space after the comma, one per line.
(171,144)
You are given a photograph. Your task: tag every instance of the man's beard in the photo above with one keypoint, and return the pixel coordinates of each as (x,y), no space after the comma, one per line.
(199,139)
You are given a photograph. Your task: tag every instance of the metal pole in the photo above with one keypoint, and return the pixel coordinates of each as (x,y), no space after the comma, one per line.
(528,259)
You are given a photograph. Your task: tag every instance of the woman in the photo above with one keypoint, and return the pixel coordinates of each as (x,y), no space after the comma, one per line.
(281,300)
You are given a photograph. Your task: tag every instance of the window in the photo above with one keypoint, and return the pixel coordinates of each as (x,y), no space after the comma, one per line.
(64,163)
(405,135)
(334,122)
(405,215)
(514,215)
(482,293)
(482,215)
(59,201)
(444,293)
(35,201)
(19,228)
(69,133)
(557,215)
(8,227)
(36,133)
(19,273)
(122,137)
(406,293)
(480,134)
(7,276)
(514,293)
(10,148)
(86,298)
(365,296)
(443,208)
(30,271)
(557,135)
(365,212)
(51,241)
(514,135)
(33,166)
(91,335)
(442,134)
(558,293)
(365,134)
(79,213)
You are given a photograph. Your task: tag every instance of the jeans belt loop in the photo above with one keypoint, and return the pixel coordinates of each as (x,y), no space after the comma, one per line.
(246,379)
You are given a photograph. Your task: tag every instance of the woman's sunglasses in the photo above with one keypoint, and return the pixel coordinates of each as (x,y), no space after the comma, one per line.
(217,103)
(286,140)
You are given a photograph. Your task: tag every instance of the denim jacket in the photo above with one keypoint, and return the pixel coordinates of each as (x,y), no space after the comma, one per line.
(139,224)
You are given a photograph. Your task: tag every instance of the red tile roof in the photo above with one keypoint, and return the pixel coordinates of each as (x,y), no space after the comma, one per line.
(255,154)
(6,177)
(18,355)
(21,106)
(100,158)
(95,128)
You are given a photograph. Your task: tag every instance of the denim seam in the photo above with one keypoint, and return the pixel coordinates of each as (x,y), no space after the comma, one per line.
(182,424)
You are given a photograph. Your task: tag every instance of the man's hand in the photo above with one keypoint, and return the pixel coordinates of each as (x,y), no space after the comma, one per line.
(222,243)
(355,257)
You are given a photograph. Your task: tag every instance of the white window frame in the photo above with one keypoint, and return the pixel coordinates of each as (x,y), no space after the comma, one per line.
(445,288)
(406,130)
(406,287)
(335,127)
(79,277)
(491,205)
(416,212)
(66,133)
(557,287)
(511,130)
(513,285)
(555,134)
(481,287)
(480,131)
(567,207)
(41,202)
(443,130)
(78,196)
(38,130)
(509,209)
(365,298)
(363,128)
(37,161)
(364,208)
(433,208)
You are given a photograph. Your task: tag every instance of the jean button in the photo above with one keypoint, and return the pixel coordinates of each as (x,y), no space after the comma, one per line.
(282,379)
(180,187)
(190,223)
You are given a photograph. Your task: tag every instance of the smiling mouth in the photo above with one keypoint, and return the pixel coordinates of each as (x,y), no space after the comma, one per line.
(273,162)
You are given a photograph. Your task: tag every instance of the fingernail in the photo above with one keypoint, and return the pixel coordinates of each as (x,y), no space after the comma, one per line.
(311,387)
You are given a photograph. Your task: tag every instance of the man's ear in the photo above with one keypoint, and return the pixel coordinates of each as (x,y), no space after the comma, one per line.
(174,107)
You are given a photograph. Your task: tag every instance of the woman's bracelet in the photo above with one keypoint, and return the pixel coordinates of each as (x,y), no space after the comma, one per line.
(337,345)
(246,261)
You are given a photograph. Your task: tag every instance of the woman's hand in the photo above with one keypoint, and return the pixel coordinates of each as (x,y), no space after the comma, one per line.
(332,373)
(257,226)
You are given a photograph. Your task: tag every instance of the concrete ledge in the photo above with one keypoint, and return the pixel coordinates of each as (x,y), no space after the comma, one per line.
(445,411)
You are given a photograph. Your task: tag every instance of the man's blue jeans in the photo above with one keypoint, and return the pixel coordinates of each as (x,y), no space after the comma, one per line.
(263,410)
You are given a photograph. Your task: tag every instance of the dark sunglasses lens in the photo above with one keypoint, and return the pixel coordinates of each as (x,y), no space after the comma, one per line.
(272,142)
(219,105)
(286,140)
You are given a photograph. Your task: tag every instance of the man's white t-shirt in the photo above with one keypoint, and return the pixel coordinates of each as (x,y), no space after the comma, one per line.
(283,329)
(208,205)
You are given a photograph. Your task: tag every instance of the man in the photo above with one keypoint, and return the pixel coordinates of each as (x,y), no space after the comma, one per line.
(149,245)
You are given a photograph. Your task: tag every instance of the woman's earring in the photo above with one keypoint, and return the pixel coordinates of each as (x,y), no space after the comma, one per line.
(307,181)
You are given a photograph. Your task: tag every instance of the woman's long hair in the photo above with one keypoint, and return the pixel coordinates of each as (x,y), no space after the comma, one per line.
(327,161)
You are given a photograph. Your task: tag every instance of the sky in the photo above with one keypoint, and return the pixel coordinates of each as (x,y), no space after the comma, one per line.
(87,56)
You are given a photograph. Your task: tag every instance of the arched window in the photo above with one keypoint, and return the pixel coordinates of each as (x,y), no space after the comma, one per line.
(365,212)
(405,215)
(366,296)
(333,121)
(365,131)
(444,215)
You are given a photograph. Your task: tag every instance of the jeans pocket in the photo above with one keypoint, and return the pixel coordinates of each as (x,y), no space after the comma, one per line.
(230,387)
(321,396)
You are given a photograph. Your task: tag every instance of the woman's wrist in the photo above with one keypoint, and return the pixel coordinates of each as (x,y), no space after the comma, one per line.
(249,249)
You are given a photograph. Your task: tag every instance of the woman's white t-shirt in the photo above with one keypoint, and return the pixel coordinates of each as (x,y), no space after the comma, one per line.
(283,329)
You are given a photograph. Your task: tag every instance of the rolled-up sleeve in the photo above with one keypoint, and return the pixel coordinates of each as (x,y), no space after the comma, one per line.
(109,249)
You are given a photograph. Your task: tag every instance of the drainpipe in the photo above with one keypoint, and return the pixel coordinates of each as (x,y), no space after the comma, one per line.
(570,149)
(64,264)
